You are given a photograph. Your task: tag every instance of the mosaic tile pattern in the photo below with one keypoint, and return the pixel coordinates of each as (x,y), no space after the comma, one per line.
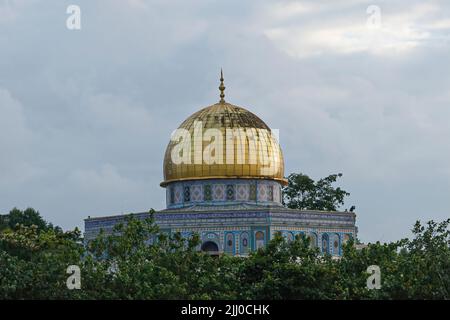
(180,194)
(276,193)
(252,195)
(242,192)
(269,193)
(196,193)
(262,192)
(219,192)
(230,192)
(237,237)
(187,194)
(207,192)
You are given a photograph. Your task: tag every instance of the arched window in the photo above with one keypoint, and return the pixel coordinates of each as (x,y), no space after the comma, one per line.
(346,238)
(289,236)
(210,247)
(259,239)
(336,244)
(312,240)
(325,244)
(244,245)
(229,243)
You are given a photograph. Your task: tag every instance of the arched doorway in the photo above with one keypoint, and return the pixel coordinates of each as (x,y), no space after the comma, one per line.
(259,237)
(210,247)
(229,243)
(245,243)
(336,244)
(312,240)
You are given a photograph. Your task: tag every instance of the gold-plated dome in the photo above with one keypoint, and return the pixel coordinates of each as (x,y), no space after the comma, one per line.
(249,149)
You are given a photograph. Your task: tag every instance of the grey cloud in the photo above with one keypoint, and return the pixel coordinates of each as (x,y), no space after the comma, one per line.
(92,110)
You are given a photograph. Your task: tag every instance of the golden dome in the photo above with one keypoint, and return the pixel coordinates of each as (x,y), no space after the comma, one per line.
(223,141)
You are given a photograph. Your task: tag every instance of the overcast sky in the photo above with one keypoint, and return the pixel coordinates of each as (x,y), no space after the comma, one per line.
(85,115)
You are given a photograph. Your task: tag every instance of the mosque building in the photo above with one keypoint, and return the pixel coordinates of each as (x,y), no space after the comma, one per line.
(223,175)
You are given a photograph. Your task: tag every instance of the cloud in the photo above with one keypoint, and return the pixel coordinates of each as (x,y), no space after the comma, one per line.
(360,29)
(15,141)
(86,115)
(106,180)
(117,113)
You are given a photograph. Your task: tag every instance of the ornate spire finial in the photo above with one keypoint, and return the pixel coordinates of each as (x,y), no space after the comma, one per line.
(221,88)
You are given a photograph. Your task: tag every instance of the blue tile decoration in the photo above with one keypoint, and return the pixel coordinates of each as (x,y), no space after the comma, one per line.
(207,192)
(230,192)
(187,194)
(252,195)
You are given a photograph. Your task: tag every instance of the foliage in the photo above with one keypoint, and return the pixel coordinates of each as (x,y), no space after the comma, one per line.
(138,261)
(28,217)
(304,193)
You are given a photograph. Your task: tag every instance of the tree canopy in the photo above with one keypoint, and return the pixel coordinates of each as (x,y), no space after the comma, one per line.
(28,217)
(304,193)
(138,261)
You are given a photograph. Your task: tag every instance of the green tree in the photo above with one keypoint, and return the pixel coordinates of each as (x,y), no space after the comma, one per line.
(417,268)
(33,263)
(138,261)
(304,193)
(288,270)
(28,217)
